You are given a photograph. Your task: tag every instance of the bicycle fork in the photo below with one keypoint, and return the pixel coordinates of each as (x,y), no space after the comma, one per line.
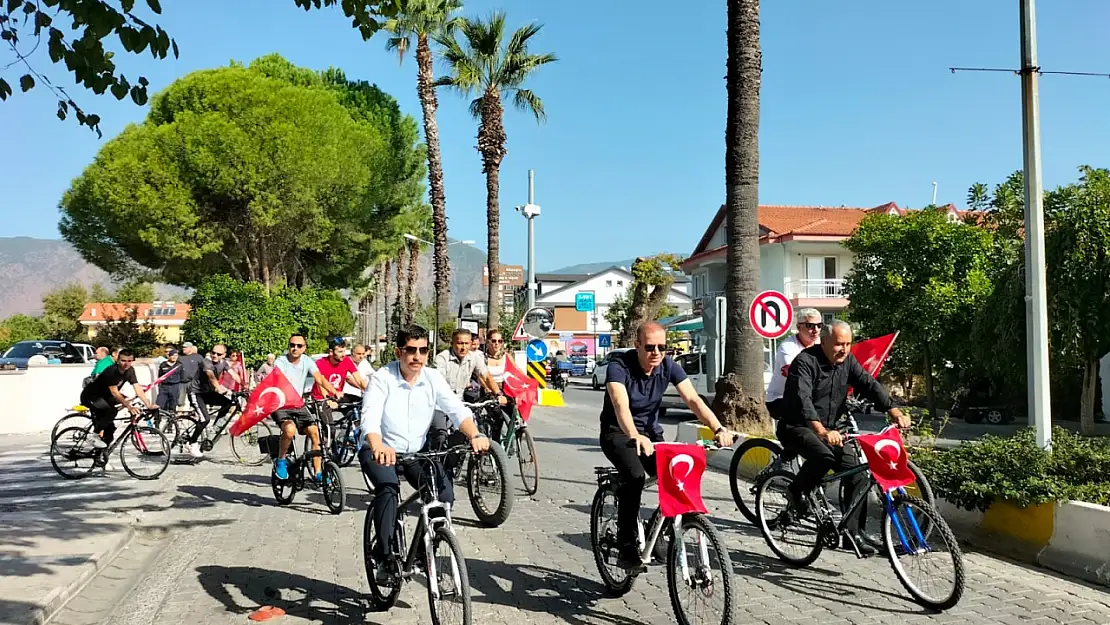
(431,524)
(911,520)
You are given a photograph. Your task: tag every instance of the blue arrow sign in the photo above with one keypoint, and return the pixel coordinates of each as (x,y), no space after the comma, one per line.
(537,350)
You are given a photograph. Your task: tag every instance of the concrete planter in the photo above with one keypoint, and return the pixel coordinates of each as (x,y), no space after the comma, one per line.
(1072,537)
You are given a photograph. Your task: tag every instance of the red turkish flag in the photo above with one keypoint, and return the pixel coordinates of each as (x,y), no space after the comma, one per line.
(887,457)
(520,387)
(872,353)
(272,394)
(679,467)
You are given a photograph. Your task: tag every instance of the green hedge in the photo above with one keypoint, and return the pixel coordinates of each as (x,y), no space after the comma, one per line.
(972,476)
(243,316)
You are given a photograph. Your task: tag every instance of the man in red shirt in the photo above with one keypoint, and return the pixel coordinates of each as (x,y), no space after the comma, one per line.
(338,369)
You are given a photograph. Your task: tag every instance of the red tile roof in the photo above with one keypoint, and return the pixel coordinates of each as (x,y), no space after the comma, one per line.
(102,311)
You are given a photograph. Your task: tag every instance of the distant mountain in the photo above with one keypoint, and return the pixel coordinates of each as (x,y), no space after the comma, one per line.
(33,267)
(592,268)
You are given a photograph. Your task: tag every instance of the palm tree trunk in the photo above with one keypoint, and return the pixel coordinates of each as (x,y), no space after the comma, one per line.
(377,301)
(491,143)
(385,300)
(425,76)
(740,393)
(410,284)
(1087,399)
(396,315)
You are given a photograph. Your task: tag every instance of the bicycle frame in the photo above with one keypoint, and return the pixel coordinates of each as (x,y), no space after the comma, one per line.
(425,524)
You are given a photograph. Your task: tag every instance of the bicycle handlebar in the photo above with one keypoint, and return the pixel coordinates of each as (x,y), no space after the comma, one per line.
(428,455)
(489,403)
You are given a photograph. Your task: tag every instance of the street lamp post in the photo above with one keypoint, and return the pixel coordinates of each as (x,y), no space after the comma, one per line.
(530,212)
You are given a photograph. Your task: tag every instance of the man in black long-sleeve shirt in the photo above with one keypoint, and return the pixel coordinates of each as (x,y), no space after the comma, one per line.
(816,391)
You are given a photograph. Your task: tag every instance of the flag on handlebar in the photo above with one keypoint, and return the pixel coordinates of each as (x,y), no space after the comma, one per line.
(679,468)
(887,458)
(520,387)
(272,394)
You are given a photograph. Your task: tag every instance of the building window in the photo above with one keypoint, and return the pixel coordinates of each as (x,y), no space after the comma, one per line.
(608,283)
(620,282)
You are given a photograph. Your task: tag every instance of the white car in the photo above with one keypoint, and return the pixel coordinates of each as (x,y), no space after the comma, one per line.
(599,369)
(86,350)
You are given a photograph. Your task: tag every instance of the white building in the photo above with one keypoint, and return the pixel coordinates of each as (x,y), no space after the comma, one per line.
(558,291)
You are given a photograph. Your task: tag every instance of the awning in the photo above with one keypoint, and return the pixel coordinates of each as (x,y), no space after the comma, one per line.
(689,325)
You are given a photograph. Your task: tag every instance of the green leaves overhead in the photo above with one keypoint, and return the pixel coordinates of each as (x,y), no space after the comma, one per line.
(270,174)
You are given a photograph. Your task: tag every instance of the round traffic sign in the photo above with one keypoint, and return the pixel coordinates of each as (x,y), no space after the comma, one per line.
(771,314)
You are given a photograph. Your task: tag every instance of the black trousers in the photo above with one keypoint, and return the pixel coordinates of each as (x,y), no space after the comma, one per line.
(103,416)
(200,401)
(169,395)
(387,492)
(633,470)
(820,458)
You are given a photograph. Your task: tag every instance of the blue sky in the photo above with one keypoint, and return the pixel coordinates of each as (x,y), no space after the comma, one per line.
(859,108)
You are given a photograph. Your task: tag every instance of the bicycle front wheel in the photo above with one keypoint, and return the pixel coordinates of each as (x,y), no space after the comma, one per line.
(335,493)
(488,486)
(526,456)
(144,452)
(449,592)
(752,460)
(910,549)
(699,572)
(245,446)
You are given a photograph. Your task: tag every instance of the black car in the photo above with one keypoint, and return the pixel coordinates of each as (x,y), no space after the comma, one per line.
(21,352)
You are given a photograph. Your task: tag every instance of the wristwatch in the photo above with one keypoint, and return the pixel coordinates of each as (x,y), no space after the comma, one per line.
(719,430)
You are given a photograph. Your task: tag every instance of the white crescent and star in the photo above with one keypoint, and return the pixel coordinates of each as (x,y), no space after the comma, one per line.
(277,393)
(886,442)
(685,459)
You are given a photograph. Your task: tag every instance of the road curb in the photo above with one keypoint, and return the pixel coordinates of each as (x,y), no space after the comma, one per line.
(56,599)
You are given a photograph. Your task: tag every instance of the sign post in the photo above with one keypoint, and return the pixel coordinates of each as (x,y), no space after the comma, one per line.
(771,314)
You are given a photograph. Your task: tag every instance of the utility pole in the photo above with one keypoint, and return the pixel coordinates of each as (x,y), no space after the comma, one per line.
(530,212)
(1036,305)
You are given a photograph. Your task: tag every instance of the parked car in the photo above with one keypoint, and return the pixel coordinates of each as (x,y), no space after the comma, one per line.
(598,378)
(62,351)
(88,352)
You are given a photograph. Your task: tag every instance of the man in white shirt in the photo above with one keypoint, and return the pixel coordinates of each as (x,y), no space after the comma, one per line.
(809,329)
(397,410)
(359,355)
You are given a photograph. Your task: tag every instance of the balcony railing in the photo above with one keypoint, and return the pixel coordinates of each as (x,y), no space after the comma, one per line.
(815,289)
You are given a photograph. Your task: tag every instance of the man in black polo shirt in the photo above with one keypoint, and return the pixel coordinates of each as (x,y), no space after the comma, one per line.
(103,397)
(814,398)
(635,382)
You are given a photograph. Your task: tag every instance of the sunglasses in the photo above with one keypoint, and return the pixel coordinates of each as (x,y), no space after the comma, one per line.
(218,354)
(496,341)
(654,348)
(410,350)
(296,345)
(811,326)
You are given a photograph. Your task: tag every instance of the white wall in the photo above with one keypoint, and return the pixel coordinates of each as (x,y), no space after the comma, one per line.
(607,286)
(36,398)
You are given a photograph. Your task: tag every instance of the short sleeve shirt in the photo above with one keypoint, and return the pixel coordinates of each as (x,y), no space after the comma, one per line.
(204,384)
(299,374)
(190,368)
(645,392)
(336,375)
(112,376)
(784,355)
(458,372)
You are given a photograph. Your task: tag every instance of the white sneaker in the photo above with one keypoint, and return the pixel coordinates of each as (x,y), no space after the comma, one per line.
(97,442)
(194,450)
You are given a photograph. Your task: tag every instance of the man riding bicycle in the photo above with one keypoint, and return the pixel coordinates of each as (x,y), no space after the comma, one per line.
(458,365)
(103,398)
(339,371)
(397,411)
(813,403)
(635,382)
(301,373)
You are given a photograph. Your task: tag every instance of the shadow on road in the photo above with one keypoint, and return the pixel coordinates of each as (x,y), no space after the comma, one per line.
(583,441)
(542,590)
(314,600)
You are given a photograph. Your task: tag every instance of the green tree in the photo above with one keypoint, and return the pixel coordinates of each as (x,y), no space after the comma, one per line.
(419,21)
(237,172)
(131,332)
(652,278)
(739,396)
(62,309)
(20,328)
(492,68)
(134,293)
(93,23)
(922,276)
(618,315)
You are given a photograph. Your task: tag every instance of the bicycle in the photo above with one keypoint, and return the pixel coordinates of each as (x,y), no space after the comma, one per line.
(345,435)
(516,441)
(430,532)
(181,426)
(302,473)
(487,471)
(756,458)
(903,533)
(74,444)
(661,543)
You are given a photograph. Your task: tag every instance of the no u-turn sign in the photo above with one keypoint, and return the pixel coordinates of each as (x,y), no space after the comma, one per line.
(771,314)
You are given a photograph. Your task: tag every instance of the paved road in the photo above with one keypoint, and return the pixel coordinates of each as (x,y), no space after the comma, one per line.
(231,549)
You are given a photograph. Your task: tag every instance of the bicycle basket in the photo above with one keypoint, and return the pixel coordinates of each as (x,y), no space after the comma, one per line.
(270,445)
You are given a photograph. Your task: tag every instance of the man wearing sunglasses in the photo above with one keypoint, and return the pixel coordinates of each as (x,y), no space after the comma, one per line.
(302,373)
(205,390)
(635,383)
(397,411)
(809,329)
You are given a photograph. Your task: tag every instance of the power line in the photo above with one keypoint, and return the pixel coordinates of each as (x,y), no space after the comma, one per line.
(1038,70)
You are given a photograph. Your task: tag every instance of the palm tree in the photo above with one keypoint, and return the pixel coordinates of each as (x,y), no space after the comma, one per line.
(409,311)
(386,267)
(420,20)
(740,393)
(489,67)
